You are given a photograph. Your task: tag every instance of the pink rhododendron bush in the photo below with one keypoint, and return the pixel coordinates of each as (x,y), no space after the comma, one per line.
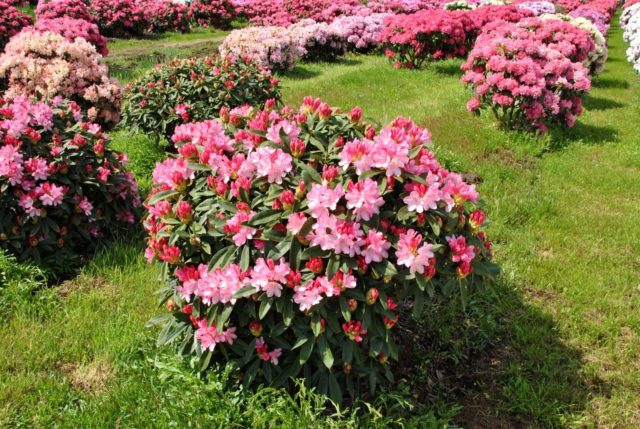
(412,40)
(167,15)
(321,41)
(45,64)
(537,7)
(292,240)
(11,22)
(120,18)
(61,188)
(213,13)
(362,33)
(73,29)
(527,75)
(275,48)
(75,9)
(194,90)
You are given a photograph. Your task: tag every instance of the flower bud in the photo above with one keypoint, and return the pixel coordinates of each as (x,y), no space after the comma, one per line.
(476,219)
(352,304)
(372,296)
(315,265)
(346,368)
(184,211)
(171,305)
(255,328)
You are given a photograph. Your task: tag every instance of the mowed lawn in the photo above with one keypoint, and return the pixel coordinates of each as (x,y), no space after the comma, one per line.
(555,343)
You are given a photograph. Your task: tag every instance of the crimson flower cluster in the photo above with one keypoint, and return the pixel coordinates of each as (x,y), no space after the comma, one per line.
(11,22)
(290,240)
(528,75)
(428,35)
(61,187)
(75,9)
(120,18)
(213,13)
(168,15)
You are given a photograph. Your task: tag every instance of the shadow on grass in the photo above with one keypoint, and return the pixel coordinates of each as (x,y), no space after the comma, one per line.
(582,133)
(601,103)
(603,82)
(301,72)
(502,361)
(448,68)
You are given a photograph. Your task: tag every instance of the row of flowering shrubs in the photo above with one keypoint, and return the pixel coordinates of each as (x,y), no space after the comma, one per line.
(194,90)
(11,22)
(61,187)
(291,240)
(630,22)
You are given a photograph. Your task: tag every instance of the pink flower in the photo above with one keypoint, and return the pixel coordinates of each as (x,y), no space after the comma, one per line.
(270,162)
(50,194)
(295,222)
(353,330)
(459,249)
(423,198)
(208,336)
(269,277)
(240,233)
(184,211)
(321,199)
(364,198)
(217,286)
(356,153)
(174,173)
(85,206)
(375,247)
(410,254)
(290,129)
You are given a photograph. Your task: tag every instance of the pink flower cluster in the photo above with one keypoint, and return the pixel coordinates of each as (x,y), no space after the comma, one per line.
(320,41)
(529,73)
(72,29)
(11,22)
(74,9)
(45,65)
(599,19)
(362,33)
(427,35)
(120,18)
(537,7)
(213,13)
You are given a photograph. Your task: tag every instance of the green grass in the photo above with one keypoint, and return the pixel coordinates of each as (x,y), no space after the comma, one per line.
(554,344)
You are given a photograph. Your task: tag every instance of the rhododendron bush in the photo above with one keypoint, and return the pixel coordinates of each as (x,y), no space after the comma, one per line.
(61,188)
(526,74)
(275,48)
(362,33)
(75,9)
(11,22)
(193,90)
(120,18)
(292,239)
(410,40)
(213,13)
(321,41)
(537,7)
(630,22)
(599,19)
(167,15)
(45,64)
(72,29)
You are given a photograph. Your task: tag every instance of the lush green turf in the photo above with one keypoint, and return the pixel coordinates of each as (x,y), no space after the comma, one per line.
(554,344)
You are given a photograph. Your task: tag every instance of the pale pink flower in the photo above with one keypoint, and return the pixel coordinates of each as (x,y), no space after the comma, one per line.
(322,198)
(410,254)
(50,194)
(375,247)
(364,198)
(270,162)
(295,222)
(461,252)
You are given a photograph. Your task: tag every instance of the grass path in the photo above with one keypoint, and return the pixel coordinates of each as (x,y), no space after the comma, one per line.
(555,344)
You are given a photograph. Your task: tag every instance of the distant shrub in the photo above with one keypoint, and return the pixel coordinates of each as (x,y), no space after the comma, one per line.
(194,90)
(74,9)
(168,15)
(11,22)
(63,189)
(321,41)
(120,18)
(362,33)
(213,13)
(45,65)
(291,240)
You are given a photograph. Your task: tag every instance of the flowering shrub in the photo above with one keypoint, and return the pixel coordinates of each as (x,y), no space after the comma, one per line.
(538,7)
(459,5)
(272,47)
(194,90)
(321,41)
(75,9)
(292,239)
(62,188)
(600,20)
(630,22)
(403,6)
(45,64)
(525,81)
(428,35)
(486,14)
(362,33)
(213,13)
(167,15)
(71,29)
(266,13)
(120,18)
(598,56)
(11,22)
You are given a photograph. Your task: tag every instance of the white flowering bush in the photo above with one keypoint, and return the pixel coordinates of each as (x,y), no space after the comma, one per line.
(272,47)
(630,22)
(291,240)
